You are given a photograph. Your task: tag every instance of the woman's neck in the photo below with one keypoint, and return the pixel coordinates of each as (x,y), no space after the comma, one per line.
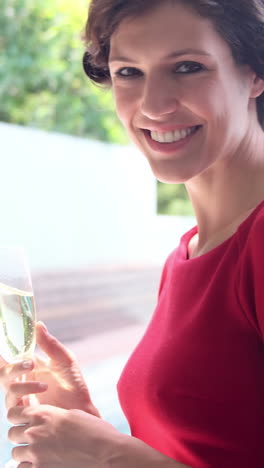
(224,197)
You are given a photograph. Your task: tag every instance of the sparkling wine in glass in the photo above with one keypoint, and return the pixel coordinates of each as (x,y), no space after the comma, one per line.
(17,306)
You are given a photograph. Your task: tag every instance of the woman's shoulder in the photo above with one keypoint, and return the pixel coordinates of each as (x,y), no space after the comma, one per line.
(251,268)
(251,231)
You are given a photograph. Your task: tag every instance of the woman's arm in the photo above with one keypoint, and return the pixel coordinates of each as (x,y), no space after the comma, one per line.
(135,453)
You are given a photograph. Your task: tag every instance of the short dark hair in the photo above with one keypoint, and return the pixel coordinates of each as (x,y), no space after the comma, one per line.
(239,22)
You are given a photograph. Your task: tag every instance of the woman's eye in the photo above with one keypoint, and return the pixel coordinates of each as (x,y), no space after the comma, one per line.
(189,67)
(128,72)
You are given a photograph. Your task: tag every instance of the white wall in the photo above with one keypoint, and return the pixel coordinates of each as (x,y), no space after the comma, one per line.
(73,202)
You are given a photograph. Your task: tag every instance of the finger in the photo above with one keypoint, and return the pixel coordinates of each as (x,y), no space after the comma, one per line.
(33,415)
(16,434)
(18,390)
(10,372)
(15,415)
(21,454)
(52,347)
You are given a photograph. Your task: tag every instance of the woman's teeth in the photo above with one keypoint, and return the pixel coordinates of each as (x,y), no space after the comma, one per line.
(171,137)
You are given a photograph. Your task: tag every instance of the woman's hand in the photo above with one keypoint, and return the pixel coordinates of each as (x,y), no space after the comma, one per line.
(55,438)
(65,385)
(59,438)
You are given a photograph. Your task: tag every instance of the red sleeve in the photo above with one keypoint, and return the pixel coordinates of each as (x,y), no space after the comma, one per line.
(251,278)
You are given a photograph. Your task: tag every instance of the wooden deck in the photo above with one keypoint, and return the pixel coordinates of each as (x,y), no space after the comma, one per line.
(103,309)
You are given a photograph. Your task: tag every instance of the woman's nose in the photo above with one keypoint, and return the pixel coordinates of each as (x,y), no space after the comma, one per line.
(159,98)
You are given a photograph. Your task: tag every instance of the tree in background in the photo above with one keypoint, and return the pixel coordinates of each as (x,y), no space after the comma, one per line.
(41,79)
(42,83)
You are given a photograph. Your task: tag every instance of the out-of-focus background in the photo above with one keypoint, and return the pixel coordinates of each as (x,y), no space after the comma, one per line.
(78,196)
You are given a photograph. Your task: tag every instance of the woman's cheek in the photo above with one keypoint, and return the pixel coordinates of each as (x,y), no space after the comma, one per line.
(126,101)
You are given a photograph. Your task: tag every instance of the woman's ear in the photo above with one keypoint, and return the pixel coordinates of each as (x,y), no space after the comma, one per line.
(257,87)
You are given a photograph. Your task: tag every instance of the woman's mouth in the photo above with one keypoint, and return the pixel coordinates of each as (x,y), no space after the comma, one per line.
(171,137)
(170,140)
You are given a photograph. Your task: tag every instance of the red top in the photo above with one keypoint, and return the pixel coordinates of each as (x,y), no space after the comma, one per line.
(194,387)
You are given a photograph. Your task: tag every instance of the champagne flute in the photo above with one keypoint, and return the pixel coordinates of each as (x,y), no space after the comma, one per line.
(17,306)
(17,310)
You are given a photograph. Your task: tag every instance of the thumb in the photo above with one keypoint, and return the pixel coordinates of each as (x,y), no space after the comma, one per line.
(54,349)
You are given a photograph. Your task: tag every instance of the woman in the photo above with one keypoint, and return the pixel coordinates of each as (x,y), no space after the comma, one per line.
(187,78)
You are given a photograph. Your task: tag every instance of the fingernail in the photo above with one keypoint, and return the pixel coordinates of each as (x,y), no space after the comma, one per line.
(43,326)
(27,364)
(43,386)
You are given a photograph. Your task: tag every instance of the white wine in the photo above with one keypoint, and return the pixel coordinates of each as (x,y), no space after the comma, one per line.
(17,323)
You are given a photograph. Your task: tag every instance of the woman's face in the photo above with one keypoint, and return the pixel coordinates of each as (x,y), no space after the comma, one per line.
(178,92)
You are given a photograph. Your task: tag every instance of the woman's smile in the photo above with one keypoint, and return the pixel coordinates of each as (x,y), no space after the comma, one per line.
(170,141)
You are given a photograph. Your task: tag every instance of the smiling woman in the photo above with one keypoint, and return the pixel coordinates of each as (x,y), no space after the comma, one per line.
(188,83)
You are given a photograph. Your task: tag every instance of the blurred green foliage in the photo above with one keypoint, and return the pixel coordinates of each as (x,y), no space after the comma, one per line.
(42,83)
(173,200)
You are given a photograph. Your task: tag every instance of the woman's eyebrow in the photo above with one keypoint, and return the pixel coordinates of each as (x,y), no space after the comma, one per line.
(122,58)
(188,52)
